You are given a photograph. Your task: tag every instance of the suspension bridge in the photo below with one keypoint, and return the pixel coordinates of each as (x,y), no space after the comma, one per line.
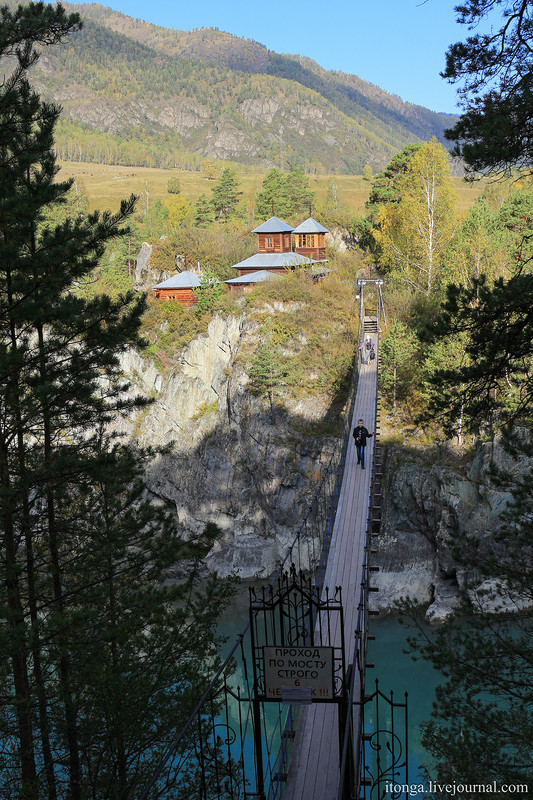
(315,764)
(284,715)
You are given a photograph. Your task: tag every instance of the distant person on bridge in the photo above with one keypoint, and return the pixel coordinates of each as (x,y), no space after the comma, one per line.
(367,348)
(360,434)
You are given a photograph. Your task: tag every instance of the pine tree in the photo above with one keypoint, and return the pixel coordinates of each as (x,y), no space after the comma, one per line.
(301,199)
(225,195)
(173,186)
(496,322)
(398,350)
(514,222)
(481,728)
(493,70)
(203,217)
(273,200)
(284,195)
(145,645)
(207,294)
(267,372)
(75,552)
(26,187)
(385,184)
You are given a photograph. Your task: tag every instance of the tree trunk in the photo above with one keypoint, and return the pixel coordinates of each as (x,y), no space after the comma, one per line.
(53,543)
(117,703)
(17,639)
(36,646)
(19,646)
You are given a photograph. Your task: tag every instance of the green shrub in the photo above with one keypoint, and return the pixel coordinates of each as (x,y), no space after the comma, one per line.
(173,186)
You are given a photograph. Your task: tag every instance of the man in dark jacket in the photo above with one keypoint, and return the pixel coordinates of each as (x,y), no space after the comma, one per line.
(360,434)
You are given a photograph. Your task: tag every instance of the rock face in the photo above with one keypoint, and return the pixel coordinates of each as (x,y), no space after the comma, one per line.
(227,462)
(422,506)
(145,276)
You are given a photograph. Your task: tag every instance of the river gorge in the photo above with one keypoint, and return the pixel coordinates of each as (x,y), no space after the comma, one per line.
(228,463)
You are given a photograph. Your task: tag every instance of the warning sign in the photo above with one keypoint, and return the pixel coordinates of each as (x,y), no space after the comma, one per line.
(298,667)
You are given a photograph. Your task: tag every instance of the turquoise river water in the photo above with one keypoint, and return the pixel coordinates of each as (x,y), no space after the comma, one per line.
(397,672)
(394,668)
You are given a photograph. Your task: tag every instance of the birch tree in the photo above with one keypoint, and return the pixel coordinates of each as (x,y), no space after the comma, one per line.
(476,249)
(415,232)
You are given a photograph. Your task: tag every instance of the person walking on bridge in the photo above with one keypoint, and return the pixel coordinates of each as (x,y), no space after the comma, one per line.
(368,352)
(360,434)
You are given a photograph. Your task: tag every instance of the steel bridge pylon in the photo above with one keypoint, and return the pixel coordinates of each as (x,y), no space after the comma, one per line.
(378,283)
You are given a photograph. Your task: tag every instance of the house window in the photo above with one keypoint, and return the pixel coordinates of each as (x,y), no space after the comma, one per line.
(306,240)
(270,242)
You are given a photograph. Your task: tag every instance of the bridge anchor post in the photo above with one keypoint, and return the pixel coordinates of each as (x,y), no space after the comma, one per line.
(258,747)
(345,710)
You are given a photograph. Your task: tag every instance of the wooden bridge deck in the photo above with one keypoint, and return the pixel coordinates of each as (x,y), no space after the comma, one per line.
(315,763)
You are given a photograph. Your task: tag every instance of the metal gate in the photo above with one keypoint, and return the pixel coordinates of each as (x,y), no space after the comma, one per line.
(298,658)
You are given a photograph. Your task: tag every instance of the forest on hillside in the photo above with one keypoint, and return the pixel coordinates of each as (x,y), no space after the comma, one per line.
(136,94)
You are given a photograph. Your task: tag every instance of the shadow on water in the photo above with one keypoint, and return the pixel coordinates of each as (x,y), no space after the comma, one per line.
(397,672)
(394,668)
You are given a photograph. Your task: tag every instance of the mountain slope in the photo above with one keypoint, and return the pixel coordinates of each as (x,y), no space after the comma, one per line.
(130,89)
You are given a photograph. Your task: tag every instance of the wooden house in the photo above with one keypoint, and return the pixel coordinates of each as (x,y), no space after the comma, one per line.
(179,288)
(280,263)
(310,239)
(246,282)
(274,236)
(275,254)
(275,249)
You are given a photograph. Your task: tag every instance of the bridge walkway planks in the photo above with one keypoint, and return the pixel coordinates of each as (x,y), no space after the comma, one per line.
(315,763)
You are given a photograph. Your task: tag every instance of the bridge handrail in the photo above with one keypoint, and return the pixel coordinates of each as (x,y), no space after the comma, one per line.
(359,652)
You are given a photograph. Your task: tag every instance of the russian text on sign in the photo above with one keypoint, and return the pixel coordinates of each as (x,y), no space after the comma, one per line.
(299,667)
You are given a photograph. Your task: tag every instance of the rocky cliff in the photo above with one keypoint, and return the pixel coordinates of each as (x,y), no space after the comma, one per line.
(145,276)
(227,463)
(423,505)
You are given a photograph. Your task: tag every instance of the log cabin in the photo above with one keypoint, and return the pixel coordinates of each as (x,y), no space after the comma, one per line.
(279,263)
(179,287)
(245,283)
(275,250)
(310,239)
(274,236)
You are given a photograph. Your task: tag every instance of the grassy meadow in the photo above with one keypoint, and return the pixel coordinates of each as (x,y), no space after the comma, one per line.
(107,185)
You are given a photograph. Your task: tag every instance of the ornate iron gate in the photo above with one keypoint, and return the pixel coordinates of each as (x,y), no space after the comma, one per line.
(298,658)
(384,746)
